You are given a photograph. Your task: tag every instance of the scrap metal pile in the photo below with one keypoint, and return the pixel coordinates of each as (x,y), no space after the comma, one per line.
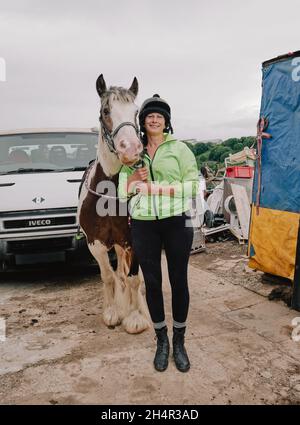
(226,207)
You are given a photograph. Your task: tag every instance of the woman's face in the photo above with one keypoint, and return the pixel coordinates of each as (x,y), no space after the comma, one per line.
(155,124)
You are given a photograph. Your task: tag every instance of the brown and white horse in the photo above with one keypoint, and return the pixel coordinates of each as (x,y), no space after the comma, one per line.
(118,144)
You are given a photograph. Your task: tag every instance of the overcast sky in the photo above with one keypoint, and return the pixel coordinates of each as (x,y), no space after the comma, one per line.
(203,56)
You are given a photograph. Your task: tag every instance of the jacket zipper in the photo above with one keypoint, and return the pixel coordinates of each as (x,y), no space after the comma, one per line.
(154,203)
(152,178)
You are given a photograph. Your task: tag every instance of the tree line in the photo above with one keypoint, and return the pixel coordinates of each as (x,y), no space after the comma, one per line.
(214,155)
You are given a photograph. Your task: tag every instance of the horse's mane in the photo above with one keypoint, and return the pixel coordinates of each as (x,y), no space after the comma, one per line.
(117,93)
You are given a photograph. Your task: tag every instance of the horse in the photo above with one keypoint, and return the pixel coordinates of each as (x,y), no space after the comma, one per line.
(118,144)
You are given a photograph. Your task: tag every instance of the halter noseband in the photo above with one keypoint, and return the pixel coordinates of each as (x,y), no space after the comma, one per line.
(109,137)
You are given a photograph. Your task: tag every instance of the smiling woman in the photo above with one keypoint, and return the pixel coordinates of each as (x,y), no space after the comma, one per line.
(160,193)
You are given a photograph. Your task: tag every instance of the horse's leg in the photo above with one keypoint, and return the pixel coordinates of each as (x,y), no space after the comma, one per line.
(122,290)
(138,320)
(110,312)
(122,268)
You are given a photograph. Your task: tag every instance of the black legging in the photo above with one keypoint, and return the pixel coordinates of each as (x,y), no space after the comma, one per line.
(149,237)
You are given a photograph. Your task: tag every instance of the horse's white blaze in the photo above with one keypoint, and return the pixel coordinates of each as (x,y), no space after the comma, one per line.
(127,142)
(110,162)
(123,112)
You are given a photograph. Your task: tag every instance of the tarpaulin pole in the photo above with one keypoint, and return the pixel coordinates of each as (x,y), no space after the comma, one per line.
(296,285)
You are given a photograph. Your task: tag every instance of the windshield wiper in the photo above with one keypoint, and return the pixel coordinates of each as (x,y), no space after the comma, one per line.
(39,170)
(29,170)
(79,168)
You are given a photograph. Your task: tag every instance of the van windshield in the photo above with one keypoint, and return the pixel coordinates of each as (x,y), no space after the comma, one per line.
(36,152)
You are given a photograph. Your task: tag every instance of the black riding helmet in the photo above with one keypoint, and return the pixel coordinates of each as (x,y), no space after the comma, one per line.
(159,105)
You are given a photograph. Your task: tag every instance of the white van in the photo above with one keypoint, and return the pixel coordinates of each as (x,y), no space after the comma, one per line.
(40,174)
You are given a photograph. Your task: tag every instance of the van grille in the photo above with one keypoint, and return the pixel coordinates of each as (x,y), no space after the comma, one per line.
(39,245)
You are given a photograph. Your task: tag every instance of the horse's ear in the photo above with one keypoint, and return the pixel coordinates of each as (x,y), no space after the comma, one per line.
(134,88)
(100,85)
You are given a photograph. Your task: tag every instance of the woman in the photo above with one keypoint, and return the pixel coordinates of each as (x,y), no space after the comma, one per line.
(160,192)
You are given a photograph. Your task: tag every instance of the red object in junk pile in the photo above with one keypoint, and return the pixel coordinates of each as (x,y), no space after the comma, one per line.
(239,171)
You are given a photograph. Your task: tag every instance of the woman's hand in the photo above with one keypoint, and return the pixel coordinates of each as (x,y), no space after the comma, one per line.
(140,175)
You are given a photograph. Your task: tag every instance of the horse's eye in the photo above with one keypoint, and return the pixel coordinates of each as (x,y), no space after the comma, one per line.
(106,111)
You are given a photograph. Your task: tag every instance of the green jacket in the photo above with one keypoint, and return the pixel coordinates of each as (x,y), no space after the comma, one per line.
(173,164)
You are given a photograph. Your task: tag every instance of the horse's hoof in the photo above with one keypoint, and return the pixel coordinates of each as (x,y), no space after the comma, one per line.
(135,323)
(110,316)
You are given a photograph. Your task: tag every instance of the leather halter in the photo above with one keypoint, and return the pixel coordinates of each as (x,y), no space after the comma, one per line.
(109,137)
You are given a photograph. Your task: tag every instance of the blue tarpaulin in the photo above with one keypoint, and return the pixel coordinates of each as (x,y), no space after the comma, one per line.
(280,173)
(274,225)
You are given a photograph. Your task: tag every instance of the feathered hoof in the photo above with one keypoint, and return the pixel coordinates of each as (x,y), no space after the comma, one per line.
(111,317)
(135,323)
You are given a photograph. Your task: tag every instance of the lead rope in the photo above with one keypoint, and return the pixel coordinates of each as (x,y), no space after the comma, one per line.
(261,126)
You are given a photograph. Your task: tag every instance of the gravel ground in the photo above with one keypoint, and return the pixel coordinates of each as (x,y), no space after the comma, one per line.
(58,351)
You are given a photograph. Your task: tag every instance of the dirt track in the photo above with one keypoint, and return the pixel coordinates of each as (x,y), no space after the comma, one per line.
(58,350)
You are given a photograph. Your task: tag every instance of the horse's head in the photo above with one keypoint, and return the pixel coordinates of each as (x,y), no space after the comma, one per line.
(118,118)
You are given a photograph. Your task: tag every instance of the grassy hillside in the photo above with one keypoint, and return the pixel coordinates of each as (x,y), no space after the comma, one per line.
(214,155)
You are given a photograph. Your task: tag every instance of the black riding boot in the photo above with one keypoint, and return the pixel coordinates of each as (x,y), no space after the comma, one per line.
(179,352)
(163,349)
